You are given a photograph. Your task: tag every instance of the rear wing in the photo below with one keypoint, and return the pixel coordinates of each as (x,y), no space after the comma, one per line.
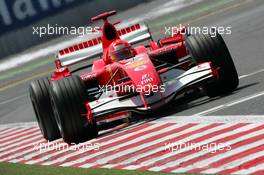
(93,48)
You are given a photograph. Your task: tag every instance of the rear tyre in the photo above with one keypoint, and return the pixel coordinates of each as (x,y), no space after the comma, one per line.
(40,99)
(207,48)
(68,96)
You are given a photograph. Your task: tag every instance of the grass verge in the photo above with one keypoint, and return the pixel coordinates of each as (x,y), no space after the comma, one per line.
(21,169)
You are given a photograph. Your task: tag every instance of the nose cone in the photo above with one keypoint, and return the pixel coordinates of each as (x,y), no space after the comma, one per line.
(143,74)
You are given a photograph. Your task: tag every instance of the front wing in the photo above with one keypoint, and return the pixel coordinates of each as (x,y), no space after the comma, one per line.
(110,103)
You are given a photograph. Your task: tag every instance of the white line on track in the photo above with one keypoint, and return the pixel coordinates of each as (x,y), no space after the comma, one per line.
(251,74)
(212,119)
(241,100)
(229,104)
(13,99)
(19,125)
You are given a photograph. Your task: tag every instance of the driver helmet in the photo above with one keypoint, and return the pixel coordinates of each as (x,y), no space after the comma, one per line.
(120,50)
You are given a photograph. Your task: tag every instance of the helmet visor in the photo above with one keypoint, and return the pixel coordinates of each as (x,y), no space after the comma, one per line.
(122,54)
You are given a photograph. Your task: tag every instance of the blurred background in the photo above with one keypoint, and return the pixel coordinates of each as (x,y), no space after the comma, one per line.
(19,44)
(17,18)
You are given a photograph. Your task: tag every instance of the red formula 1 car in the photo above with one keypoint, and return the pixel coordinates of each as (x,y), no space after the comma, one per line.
(126,79)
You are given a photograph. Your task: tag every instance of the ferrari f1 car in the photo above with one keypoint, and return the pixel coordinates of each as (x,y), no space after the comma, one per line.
(128,77)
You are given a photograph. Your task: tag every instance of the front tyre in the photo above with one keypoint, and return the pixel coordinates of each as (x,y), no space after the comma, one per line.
(208,48)
(40,99)
(68,96)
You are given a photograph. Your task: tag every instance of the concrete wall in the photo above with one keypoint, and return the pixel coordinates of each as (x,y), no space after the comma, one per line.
(79,14)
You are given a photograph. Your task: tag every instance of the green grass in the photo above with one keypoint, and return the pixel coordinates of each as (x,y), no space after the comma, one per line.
(21,169)
(26,67)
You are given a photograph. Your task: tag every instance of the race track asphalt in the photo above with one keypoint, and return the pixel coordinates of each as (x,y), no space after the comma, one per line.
(246,44)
